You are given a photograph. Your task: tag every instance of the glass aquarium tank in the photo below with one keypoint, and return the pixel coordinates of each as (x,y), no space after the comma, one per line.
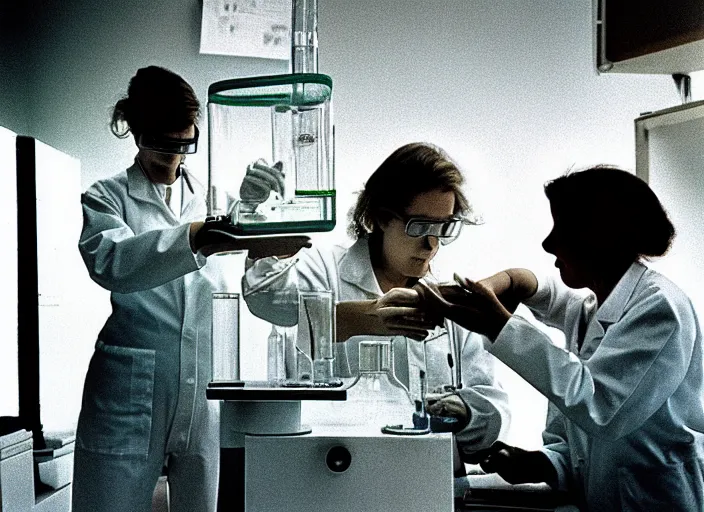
(271,154)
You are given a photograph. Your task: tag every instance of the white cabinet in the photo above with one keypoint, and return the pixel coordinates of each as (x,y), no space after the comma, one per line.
(670,157)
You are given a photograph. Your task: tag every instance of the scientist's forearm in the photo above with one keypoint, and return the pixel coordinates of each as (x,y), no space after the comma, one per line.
(523,283)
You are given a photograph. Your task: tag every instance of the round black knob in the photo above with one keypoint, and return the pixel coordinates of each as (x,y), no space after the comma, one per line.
(338,459)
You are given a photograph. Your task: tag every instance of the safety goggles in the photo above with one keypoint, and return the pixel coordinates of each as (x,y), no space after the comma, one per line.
(162,144)
(446,231)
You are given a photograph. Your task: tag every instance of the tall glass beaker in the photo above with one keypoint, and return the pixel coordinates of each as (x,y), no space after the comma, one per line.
(225,337)
(316,320)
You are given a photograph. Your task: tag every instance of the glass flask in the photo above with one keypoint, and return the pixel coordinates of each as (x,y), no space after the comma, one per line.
(271,148)
(377,398)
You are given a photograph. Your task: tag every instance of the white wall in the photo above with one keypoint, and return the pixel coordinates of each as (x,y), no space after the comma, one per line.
(506,87)
(9,405)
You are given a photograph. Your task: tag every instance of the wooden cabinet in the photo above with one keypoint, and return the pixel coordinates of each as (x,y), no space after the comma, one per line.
(649,36)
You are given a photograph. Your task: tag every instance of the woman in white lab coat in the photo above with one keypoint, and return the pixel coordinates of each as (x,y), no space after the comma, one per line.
(144,402)
(625,428)
(411,204)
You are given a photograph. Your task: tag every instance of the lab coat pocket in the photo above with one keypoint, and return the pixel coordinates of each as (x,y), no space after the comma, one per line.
(116,414)
(662,487)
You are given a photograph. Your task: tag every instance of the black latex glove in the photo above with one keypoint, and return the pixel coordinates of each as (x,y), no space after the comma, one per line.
(219,235)
(516,465)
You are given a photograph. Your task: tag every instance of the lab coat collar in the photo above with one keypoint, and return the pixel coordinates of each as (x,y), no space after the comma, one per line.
(356,268)
(613,307)
(139,187)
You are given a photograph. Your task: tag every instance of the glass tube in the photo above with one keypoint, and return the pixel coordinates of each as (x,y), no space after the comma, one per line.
(304,40)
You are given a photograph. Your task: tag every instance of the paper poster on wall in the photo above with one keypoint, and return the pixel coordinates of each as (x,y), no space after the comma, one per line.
(247,28)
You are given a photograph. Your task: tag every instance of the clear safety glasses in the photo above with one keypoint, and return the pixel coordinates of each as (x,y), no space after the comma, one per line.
(446,231)
(162,144)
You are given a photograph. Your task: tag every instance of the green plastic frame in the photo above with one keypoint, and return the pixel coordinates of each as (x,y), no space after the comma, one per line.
(266,91)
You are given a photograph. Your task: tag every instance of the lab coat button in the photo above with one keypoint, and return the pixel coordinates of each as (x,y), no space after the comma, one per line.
(191,380)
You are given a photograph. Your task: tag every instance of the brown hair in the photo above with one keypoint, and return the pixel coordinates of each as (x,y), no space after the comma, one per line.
(409,171)
(158,101)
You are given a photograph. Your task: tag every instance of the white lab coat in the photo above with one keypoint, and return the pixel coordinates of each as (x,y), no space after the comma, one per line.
(625,428)
(144,395)
(349,274)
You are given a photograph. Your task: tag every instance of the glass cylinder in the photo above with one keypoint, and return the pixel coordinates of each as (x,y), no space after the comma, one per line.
(225,337)
(438,357)
(271,151)
(276,353)
(316,314)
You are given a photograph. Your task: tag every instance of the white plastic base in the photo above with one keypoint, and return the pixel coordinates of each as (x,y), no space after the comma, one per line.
(264,418)
(390,473)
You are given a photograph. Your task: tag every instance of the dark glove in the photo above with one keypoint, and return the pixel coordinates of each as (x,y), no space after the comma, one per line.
(219,235)
(475,307)
(516,465)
